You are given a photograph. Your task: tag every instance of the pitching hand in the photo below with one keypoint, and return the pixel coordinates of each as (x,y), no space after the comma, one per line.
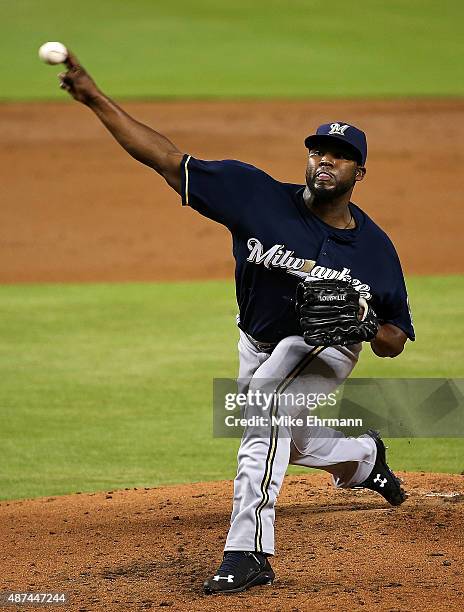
(77,82)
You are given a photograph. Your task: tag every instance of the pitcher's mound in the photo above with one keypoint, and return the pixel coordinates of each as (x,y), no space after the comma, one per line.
(152,548)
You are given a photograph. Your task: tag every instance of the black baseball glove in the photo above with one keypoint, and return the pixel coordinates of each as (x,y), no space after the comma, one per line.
(332,312)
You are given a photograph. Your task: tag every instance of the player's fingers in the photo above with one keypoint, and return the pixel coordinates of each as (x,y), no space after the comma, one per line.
(71,61)
(363,308)
(66,77)
(65,83)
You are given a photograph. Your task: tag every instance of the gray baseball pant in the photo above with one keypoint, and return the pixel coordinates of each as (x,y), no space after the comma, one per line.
(292,367)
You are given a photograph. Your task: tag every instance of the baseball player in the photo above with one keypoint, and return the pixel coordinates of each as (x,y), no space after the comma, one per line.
(315,279)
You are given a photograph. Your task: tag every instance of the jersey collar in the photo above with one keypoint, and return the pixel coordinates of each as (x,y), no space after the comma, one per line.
(340,235)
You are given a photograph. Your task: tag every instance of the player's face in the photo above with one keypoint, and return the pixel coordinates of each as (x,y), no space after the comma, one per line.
(332,170)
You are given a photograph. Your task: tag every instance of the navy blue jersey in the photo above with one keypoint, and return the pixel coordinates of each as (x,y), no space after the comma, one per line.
(278,241)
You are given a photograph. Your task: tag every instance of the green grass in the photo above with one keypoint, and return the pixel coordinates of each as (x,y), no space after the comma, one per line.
(110,385)
(264,48)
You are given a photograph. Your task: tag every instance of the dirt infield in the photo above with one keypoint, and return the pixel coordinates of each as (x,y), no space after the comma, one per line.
(76,208)
(152,548)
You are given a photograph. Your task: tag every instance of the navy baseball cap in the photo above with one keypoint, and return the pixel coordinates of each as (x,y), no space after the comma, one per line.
(344,132)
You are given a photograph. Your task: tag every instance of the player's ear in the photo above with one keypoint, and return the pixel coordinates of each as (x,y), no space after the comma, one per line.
(360,173)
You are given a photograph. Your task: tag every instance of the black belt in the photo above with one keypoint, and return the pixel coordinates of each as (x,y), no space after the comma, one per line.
(263,347)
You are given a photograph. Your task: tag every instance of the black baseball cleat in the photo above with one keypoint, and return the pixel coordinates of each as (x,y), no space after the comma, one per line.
(382,480)
(240,571)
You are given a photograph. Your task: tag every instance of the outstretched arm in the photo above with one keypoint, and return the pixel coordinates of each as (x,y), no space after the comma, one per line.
(140,141)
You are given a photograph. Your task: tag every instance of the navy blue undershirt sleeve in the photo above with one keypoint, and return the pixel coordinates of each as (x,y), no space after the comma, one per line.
(218,190)
(394,307)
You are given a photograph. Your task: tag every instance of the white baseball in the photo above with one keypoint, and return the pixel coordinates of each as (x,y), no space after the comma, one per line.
(53,53)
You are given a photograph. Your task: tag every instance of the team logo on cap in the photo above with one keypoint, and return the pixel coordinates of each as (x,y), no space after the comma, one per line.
(336,128)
